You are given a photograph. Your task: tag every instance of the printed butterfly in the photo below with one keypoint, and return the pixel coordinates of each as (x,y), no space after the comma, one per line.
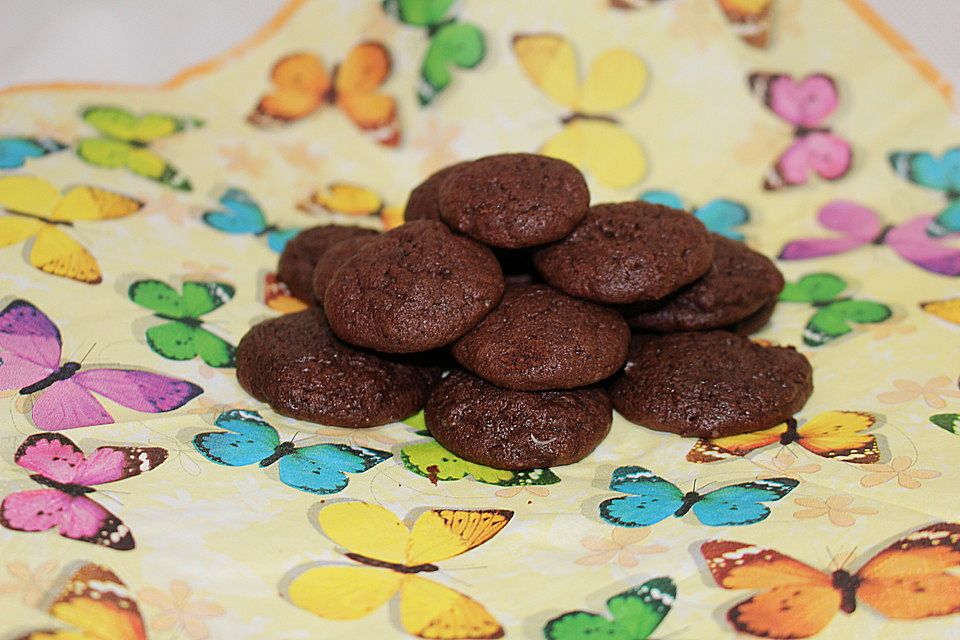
(805,105)
(719,215)
(302,85)
(98,603)
(277,295)
(347,200)
(69,475)
(750,19)
(30,351)
(834,315)
(859,226)
(183,336)
(949,422)
(124,143)
(942,174)
(948,309)
(249,439)
(636,613)
(653,499)
(15,150)
(908,580)
(241,214)
(838,435)
(591,139)
(39,212)
(391,559)
(452,43)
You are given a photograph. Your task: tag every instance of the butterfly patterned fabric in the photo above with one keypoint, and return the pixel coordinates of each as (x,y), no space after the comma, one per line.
(241,214)
(636,612)
(834,316)
(941,174)
(15,151)
(719,215)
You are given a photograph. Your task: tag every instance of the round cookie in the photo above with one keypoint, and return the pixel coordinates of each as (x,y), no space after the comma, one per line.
(299,257)
(628,252)
(711,384)
(514,200)
(507,429)
(331,260)
(754,322)
(538,338)
(415,288)
(295,364)
(739,282)
(424,200)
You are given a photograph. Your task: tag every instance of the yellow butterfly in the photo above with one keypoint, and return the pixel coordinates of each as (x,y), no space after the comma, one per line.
(591,138)
(392,559)
(948,309)
(96,601)
(37,210)
(352,200)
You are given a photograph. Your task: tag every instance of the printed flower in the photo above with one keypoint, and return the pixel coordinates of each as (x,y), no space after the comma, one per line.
(238,158)
(182,452)
(787,20)
(178,612)
(784,464)
(933,392)
(899,468)
(194,270)
(757,148)
(837,508)
(366,438)
(437,142)
(62,131)
(31,584)
(299,155)
(509,492)
(209,408)
(623,547)
(692,21)
(169,206)
(891,327)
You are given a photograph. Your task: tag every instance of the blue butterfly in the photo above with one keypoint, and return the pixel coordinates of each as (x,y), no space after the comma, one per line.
(653,499)
(242,214)
(16,150)
(249,439)
(720,216)
(942,174)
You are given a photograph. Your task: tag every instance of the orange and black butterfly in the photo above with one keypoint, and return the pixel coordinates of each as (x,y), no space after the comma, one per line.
(302,85)
(908,580)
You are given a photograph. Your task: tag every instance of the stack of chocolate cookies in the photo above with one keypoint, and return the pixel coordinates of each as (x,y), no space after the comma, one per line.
(504,307)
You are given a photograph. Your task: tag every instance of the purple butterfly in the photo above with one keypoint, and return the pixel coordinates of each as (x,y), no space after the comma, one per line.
(860,226)
(30,350)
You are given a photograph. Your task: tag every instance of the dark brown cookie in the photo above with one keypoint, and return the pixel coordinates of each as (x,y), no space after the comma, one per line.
(538,338)
(299,257)
(739,282)
(711,384)
(296,365)
(507,429)
(754,322)
(415,288)
(628,252)
(514,200)
(331,260)
(424,200)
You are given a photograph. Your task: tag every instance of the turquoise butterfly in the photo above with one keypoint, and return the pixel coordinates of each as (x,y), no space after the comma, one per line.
(652,499)
(720,215)
(242,214)
(249,439)
(183,337)
(15,151)
(636,612)
(834,315)
(942,174)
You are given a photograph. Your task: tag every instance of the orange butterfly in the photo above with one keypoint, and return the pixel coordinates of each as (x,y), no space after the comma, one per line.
(302,85)
(907,580)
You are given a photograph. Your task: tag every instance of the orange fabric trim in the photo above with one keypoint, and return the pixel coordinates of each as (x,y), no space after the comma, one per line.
(893,37)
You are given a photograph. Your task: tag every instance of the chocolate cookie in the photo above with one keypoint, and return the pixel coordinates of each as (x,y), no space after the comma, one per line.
(295,364)
(538,338)
(711,384)
(628,252)
(507,429)
(514,200)
(415,288)
(754,322)
(300,256)
(424,200)
(331,260)
(739,282)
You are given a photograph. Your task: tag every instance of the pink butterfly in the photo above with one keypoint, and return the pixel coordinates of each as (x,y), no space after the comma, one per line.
(30,350)
(859,226)
(805,105)
(62,467)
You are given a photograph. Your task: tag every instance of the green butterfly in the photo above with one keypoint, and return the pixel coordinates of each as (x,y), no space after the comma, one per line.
(451,42)
(183,337)
(430,460)
(124,139)
(636,613)
(947,421)
(834,315)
